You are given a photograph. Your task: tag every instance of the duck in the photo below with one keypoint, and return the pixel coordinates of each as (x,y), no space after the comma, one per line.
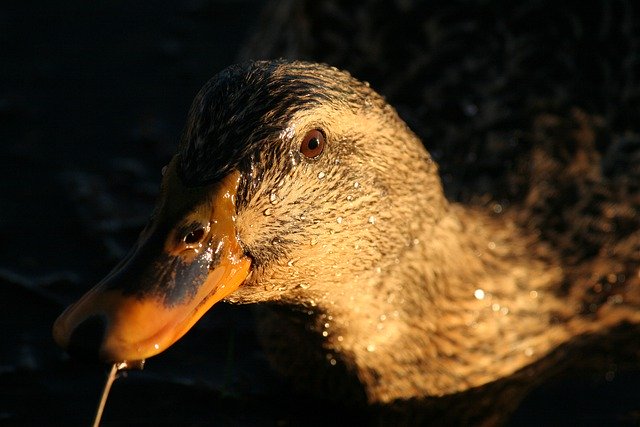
(299,189)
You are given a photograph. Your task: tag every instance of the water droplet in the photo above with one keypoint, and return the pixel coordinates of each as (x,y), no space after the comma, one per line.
(495,307)
(616,299)
(497,208)
(356,184)
(378,270)
(268,212)
(479,294)
(156,346)
(528,352)
(273,198)
(326,325)
(383,317)
(350,198)
(302,217)
(304,285)
(491,245)
(416,242)
(504,311)
(371,348)
(312,302)
(325,333)
(533,294)
(372,219)
(339,220)
(333,362)
(340,338)
(321,175)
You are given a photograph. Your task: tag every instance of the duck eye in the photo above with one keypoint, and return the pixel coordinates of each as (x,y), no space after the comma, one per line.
(194,237)
(312,144)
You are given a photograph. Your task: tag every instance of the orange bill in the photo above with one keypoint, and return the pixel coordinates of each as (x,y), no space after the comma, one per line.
(187,259)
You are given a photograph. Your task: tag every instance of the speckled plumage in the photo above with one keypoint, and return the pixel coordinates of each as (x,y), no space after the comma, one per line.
(380,288)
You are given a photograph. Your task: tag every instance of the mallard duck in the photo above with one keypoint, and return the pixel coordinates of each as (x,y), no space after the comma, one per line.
(297,187)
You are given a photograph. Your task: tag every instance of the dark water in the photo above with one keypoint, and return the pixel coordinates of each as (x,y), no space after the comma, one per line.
(93,96)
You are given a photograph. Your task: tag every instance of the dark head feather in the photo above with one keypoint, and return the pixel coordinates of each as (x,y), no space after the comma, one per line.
(242,105)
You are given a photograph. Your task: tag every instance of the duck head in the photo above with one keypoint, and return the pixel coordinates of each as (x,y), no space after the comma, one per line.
(293,183)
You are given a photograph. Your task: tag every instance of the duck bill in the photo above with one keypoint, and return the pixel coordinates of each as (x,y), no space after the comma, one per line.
(187,259)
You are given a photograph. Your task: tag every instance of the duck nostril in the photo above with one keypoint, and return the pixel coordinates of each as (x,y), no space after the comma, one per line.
(194,237)
(86,339)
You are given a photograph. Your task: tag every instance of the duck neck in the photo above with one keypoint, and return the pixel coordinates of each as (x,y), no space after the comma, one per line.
(467,304)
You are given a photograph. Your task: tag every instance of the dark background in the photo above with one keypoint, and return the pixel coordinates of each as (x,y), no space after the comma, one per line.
(93,96)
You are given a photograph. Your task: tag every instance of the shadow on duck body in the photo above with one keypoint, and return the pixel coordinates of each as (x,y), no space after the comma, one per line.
(299,188)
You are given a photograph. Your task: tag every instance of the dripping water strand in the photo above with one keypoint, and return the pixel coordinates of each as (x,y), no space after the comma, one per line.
(105,392)
(113,374)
